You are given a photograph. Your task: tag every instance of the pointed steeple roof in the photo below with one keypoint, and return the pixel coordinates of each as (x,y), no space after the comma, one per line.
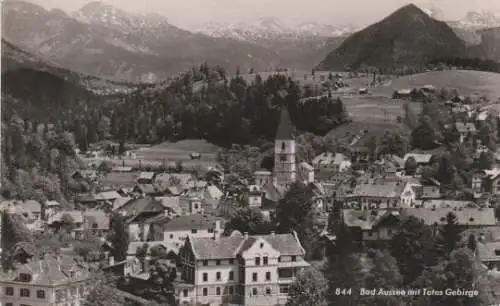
(286,130)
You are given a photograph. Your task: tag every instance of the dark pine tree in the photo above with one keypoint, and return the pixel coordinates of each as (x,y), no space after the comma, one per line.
(449,236)
(119,238)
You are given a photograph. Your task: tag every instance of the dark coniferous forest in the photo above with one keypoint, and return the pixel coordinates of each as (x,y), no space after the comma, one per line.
(203,103)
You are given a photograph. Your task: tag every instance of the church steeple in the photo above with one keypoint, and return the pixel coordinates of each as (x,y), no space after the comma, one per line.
(284,152)
(286,130)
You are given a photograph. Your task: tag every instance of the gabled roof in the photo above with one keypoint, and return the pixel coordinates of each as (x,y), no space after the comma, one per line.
(51,271)
(146,176)
(285,128)
(365,220)
(187,223)
(381,190)
(107,195)
(419,158)
(172,202)
(232,246)
(465,216)
(489,251)
(140,205)
(76,215)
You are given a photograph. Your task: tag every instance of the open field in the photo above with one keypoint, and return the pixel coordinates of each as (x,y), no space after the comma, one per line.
(167,154)
(467,82)
(369,108)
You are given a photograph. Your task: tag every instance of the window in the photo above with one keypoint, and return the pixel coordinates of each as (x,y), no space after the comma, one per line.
(171,236)
(194,231)
(284,290)
(231,275)
(195,206)
(283,146)
(23,277)
(24,305)
(210,230)
(268,275)
(231,261)
(279,259)
(9,304)
(257,261)
(282,157)
(261,245)
(205,291)
(217,291)
(268,291)
(254,291)
(217,276)
(205,277)
(40,294)
(9,291)
(205,262)
(266,260)
(389,232)
(231,290)
(185,292)
(254,276)
(24,292)
(370,233)
(217,262)
(294,258)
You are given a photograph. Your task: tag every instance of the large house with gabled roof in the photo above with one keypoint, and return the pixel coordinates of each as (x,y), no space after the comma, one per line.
(239,269)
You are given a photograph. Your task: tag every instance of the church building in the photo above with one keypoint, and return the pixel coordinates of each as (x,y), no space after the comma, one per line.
(285,165)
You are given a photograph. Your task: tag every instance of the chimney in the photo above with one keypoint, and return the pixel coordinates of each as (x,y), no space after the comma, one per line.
(245,235)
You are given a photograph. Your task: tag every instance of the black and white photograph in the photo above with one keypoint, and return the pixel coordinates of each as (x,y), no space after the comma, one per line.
(250,153)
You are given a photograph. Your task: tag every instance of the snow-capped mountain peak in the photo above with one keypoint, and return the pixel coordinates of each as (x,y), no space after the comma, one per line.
(478,20)
(97,12)
(272,28)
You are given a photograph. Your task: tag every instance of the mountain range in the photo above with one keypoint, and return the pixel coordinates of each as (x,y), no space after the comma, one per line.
(142,47)
(117,45)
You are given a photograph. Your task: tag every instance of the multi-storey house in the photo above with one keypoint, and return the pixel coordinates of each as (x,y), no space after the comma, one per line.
(45,282)
(240,269)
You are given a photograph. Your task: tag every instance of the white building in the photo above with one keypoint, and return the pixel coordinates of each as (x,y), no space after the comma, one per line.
(240,269)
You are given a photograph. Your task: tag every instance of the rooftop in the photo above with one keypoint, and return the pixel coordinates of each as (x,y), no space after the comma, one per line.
(285,128)
(186,223)
(49,271)
(233,245)
(379,190)
(465,216)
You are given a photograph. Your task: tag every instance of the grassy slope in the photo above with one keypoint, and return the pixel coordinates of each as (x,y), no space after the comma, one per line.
(465,81)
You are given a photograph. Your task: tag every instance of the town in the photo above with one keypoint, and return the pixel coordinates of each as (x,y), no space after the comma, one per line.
(350,183)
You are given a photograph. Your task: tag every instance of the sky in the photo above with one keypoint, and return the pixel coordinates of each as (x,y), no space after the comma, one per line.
(194,13)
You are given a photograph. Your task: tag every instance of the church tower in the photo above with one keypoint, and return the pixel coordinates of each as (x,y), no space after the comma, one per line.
(284,152)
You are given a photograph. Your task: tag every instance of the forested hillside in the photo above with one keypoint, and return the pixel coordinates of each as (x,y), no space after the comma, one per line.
(204,103)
